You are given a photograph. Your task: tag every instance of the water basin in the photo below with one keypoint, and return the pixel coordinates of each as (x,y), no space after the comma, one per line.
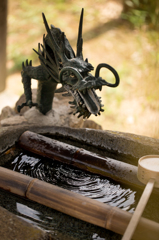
(71,178)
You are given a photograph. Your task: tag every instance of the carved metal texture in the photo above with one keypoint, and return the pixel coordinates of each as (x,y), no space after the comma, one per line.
(60,64)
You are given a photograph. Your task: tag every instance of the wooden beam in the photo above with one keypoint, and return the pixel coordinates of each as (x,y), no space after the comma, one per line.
(3,37)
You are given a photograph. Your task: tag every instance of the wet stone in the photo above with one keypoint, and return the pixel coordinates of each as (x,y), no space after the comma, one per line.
(12,227)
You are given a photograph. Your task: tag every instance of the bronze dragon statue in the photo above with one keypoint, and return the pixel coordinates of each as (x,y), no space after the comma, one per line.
(60,64)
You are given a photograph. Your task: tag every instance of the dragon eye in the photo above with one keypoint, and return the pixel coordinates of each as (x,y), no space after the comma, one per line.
(72,75)
(72,81)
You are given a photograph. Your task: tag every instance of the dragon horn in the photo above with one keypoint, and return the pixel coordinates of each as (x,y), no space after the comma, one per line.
(80,39)
(55,47)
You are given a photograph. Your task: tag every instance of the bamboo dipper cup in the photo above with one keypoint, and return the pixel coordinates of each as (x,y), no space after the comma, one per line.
(148,173)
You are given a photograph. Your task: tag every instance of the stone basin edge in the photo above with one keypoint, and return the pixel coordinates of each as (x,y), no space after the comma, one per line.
(123,146)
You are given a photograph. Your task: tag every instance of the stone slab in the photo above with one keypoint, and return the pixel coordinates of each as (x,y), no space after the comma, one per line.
(14,228)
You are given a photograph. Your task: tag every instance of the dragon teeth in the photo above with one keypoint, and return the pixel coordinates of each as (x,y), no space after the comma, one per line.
(71,102)
(79,115)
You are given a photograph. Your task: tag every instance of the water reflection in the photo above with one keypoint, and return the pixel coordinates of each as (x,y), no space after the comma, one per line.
(27,212)
(76,180)
(34,217)
(59,225)
(96,237)
(62,226)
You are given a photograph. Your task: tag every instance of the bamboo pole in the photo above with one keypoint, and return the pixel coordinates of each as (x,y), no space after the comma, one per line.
(76,205)
(86,160)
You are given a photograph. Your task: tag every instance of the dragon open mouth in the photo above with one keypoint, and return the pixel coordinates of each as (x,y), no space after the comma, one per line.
(91,101)
(85,102)
(82,87)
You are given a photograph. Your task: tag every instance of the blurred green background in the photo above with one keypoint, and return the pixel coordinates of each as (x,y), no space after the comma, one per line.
(124,34)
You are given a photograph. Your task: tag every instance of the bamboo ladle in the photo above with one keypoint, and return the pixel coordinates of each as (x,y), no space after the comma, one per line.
(148,173)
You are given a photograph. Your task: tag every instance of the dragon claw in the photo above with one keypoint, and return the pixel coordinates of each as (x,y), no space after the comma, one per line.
(26,64)
(29,104)
(23,66)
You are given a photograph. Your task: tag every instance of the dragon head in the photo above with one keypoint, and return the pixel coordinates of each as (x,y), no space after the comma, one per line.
(82,85)
(74,72)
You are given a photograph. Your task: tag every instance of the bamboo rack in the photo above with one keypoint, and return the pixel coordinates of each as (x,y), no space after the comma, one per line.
(78,157)
(75,205)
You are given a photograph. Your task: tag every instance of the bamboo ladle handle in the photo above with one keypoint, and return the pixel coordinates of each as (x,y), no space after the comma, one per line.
(139,210)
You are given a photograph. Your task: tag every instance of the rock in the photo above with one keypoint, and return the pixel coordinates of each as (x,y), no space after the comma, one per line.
(23,100)
(33,116)
(91,124)
(7,112)
(60,115)
(57,117)
(15,120)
